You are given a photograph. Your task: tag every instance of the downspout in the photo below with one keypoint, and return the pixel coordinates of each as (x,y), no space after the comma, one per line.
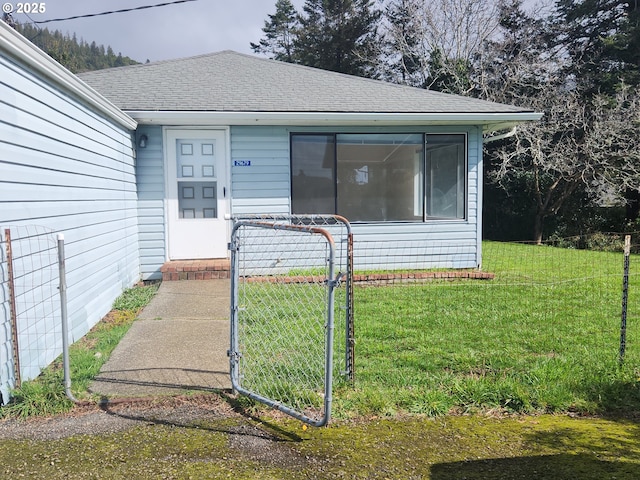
(502,136)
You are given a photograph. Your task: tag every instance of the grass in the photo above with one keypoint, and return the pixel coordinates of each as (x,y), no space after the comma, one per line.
(549,447)
(543,336)
(45,394)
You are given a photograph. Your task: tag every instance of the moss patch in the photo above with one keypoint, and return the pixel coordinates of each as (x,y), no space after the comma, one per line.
(447,447)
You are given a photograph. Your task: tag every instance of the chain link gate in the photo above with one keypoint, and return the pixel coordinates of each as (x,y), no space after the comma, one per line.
(282,316)
(340,229)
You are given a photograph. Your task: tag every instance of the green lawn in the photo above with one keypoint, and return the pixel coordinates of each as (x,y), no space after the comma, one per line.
(542,336)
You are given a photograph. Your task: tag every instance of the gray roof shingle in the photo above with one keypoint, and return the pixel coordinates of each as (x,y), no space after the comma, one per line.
(233,82)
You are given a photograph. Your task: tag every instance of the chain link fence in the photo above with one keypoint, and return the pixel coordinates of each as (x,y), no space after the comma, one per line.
(340,230)
(283,282)
(30,337)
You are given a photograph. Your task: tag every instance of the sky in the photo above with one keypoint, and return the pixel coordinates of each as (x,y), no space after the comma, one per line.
(172,31)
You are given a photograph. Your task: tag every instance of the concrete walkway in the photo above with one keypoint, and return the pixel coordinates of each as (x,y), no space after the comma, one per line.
(179,343)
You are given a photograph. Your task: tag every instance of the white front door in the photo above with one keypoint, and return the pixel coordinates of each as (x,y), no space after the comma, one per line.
(197,202)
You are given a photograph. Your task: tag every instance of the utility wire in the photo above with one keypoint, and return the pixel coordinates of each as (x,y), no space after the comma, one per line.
(144,7)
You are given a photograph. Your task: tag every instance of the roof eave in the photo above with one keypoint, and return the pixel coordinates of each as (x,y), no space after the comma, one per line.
(489,121)
(18,47)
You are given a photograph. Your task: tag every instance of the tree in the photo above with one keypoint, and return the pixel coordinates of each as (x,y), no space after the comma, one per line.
(602,38)
(582,146)
(441,38)
(338,35)
(519,61)
(575,148)
(404,47)
(280,31)
(77,56)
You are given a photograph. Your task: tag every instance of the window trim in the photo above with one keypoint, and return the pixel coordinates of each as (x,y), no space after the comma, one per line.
(425,135)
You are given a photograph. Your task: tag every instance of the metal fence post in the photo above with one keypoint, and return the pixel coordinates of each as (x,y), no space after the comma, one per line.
(625,298)
(13,313)
(64,320)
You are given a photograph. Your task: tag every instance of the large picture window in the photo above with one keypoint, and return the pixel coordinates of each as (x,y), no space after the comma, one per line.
(379,177)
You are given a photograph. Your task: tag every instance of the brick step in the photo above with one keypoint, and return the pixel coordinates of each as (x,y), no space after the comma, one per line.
(205,269)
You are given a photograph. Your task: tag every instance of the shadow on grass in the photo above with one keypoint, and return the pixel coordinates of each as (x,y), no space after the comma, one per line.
(561,447)
(552,467)
(615,396)
(620,442)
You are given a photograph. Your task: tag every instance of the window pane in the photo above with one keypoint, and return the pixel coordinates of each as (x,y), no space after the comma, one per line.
(197,199)
(313,174)
(380,177)
(446,174)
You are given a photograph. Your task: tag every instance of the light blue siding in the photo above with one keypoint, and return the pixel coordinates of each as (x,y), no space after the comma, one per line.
(264,185)
(151,214)
(260,184)
(68,168)
(264,188)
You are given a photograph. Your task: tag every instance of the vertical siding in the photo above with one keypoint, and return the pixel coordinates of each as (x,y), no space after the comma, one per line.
(68,168)
(264,187)
(151,191)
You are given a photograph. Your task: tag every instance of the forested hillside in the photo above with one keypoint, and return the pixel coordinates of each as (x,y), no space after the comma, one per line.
(75,54)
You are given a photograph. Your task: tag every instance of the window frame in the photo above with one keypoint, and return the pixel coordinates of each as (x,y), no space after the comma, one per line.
(465,192)
(425,136)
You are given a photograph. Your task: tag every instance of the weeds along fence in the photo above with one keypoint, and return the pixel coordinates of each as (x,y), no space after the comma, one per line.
(30,336)
(532,318)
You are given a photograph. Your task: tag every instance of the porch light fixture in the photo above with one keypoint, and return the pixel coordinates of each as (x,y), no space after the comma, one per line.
(142,141)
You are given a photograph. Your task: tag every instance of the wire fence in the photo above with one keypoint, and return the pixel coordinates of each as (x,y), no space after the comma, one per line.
(30,337)
(289,261)
(565,311)
(283,298)
(534,315)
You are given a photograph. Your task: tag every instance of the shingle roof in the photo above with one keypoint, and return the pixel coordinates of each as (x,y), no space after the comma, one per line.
(233,82)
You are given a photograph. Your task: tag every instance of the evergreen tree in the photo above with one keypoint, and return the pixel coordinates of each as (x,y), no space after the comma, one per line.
(404,46)
(339,35)
(585,152)
(280,31)
(602,38)
(77,56)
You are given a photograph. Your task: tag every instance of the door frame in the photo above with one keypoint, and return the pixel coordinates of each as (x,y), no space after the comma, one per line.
(200,132)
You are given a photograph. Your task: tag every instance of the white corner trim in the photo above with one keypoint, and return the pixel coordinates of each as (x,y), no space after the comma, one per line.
(15,45)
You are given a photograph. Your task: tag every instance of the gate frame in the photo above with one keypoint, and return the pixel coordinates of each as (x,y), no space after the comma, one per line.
(234,354)
(319,221)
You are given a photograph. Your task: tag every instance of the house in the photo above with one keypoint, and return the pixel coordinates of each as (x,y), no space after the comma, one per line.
(66,166)
(142,165)
(227,134)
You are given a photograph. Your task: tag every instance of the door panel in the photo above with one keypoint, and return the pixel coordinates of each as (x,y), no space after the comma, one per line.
(196,200)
